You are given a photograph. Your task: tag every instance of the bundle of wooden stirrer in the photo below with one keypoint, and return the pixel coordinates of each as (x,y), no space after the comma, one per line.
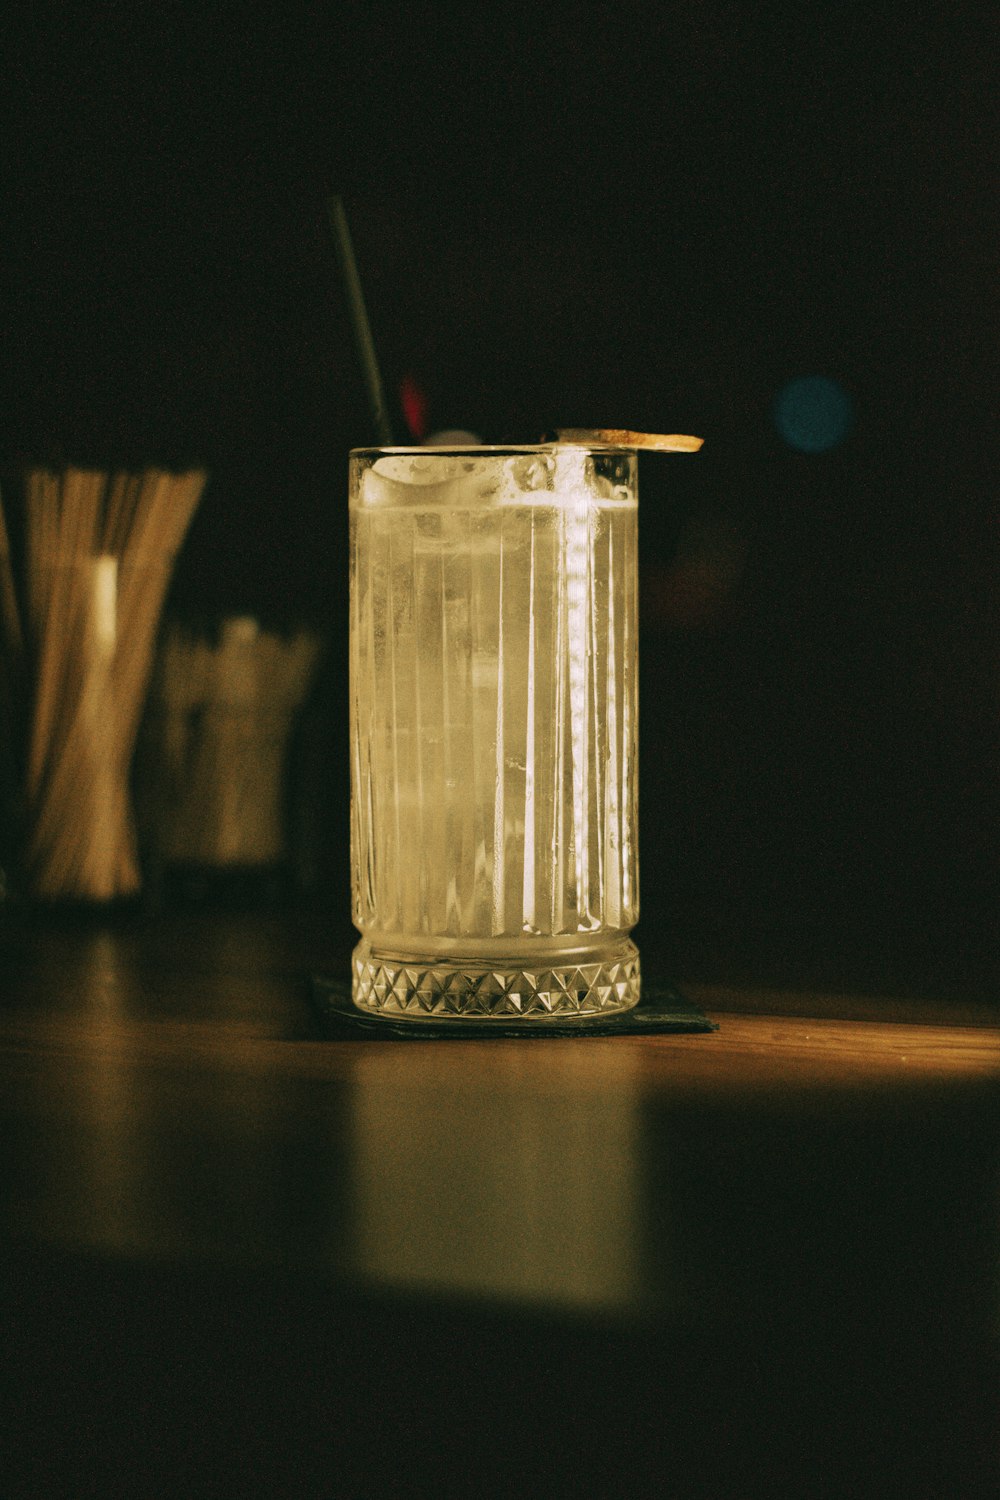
(79,636)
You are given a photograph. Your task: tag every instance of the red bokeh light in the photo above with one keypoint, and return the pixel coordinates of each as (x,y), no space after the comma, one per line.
(414,403)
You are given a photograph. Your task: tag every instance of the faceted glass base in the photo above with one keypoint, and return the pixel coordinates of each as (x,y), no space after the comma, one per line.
(453,990)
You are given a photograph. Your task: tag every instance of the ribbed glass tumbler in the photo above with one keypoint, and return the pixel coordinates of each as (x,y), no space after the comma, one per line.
(493,700)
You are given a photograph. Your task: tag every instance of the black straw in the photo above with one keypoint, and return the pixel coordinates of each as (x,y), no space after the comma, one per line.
(359,321)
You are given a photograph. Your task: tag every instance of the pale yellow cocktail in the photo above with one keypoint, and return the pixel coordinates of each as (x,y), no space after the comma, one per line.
(494,731)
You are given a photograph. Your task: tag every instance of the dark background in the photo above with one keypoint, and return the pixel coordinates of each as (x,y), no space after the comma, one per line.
(647,222)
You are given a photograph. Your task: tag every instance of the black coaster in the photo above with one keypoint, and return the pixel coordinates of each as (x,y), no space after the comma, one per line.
(660,1009)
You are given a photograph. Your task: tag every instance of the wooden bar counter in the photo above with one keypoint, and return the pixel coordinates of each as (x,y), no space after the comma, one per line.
(240,1259)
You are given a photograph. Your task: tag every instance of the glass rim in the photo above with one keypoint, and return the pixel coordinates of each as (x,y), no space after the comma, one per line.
(488,450)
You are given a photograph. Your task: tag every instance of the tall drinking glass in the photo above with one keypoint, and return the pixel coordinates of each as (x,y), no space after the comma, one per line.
(493,699)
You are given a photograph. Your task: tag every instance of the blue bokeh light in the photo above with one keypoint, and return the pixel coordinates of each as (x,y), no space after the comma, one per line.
(813,413)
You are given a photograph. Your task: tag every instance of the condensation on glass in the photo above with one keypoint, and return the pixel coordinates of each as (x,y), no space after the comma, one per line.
(493,703)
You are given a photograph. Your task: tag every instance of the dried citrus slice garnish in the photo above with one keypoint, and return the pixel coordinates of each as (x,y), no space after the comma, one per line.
(622,437)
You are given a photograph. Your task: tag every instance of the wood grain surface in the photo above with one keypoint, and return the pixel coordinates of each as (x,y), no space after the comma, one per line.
(242,1259)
